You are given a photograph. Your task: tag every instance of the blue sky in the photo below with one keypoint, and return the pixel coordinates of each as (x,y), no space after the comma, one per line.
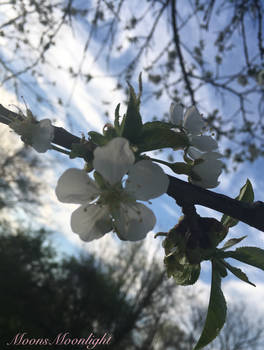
(87,113)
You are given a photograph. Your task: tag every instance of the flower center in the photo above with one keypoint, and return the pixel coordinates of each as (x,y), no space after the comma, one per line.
(113,196)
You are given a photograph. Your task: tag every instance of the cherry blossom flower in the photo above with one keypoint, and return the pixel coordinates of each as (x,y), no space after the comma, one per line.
(108,203)
(38,134)
(207,166)
(193,124)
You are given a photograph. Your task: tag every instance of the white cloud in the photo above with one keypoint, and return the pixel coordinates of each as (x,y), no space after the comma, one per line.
(252,296)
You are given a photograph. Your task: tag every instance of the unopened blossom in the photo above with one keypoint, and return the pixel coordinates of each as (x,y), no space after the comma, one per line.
(207,166)
(193,124)
(108,204)
(38,134)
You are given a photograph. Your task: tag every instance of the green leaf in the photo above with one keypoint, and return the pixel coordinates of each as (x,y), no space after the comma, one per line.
(246,195)
(232,242)
(158,138)
(186,276)
(180,168)
(220,267)
(238,273)
(140,87)
(132,123)
(216,313)
(117,116)
(249,255)
(82,150)
(99,180)
(97,138)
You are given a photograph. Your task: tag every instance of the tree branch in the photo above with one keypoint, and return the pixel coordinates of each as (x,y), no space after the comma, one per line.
(178,49)
(249,213)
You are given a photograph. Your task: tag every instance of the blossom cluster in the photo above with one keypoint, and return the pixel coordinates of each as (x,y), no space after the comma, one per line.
(111,199)
(206,166)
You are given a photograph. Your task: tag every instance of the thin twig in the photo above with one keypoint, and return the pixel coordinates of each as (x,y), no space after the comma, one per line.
(178,49)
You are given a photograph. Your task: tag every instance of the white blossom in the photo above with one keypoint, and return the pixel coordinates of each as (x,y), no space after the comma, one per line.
(38,134)
(193,124)
(207,166)
(111,205)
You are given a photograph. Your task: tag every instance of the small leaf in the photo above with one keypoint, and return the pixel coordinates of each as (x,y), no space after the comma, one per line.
(220,267)
(99,180)
(246,195)
(180,168)
(140,87)
(216,313)
(158,138)
(238,273)
(187,275)
(232,242)
(82,150)
(117,116)
(132,125)
(97,138)
(249,255)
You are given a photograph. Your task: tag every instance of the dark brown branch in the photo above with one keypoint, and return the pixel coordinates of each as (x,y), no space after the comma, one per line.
(251,214)
(181,191)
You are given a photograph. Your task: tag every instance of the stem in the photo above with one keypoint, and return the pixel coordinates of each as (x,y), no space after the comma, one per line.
(61,150)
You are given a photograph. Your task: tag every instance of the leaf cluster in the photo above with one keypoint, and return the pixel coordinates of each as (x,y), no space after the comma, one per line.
(195,240)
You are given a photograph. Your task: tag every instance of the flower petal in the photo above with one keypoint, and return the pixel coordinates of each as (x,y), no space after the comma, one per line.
(196,154)
(203,143)
(113,160)
(43,135)
(91,221)
(193,122)
(75,186)
(209,171)
(176,114)
(146,180)
(134,222)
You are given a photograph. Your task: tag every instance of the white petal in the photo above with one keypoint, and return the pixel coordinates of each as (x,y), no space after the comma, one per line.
(209,168)
(196,154)
(43,135)
(91,221)
(176,114)
(203,143)
(75,186)
(205,183)
(146,180)
(113,160)
(211,156)
(209,171)
(193,122)
(134,222)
